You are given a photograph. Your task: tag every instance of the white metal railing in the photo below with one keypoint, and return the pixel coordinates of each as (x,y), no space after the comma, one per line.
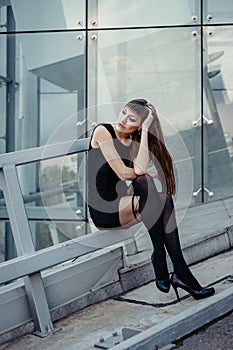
(29,263)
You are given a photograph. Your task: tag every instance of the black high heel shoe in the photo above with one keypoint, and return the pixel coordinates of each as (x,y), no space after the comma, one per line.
(196,294)
(162,285)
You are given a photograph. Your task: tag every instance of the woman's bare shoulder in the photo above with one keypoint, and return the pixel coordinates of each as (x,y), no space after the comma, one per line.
(100,134)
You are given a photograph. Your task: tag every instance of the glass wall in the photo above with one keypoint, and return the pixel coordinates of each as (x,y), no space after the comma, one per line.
(67,64)
(42,97)
(218,147)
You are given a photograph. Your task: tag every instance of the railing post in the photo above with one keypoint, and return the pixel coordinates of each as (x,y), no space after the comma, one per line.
(23,241)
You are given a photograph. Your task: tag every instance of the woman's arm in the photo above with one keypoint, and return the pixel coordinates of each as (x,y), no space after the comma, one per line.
(102,139)
(141,162)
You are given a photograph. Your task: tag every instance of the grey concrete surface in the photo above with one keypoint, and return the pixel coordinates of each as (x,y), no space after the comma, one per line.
(141,308)
(205,231)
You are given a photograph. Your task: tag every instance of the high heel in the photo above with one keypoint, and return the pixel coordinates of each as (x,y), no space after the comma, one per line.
(176,291)
(162,285)
(176,282)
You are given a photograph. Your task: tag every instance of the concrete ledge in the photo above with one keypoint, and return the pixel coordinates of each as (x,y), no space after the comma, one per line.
(207,247)
(17,332)
(181,324)
(136,276)
(230,234)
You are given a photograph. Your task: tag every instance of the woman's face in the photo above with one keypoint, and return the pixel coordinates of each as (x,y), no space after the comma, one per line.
(128,121)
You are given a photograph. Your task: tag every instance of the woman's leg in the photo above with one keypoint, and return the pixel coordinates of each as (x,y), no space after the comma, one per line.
(127,208)
(157,213)
(172,243)
(182,276)
(150,207)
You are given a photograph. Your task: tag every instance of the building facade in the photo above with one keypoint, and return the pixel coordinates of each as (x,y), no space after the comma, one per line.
(66,65)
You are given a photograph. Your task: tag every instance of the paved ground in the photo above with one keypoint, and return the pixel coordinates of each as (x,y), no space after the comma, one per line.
(141,308)
(218,336)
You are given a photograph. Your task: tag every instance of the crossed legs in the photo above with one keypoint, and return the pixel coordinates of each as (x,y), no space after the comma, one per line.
(156,210)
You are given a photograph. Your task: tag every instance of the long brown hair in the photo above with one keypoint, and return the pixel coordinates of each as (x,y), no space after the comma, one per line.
(158,151)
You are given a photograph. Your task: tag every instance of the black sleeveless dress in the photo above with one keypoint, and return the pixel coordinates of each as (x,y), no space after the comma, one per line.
(105,188)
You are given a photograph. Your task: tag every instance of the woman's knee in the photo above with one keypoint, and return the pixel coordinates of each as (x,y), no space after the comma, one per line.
(145,188)
(166,200)
(143,180)
(169,199)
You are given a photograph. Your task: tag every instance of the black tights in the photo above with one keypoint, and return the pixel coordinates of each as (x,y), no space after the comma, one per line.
(158,215)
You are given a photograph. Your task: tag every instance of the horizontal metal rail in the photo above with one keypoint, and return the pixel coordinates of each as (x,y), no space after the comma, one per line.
(45,214)
(45,152)
(46,258)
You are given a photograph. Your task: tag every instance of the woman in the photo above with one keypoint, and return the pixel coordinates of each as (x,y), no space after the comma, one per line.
(122,153)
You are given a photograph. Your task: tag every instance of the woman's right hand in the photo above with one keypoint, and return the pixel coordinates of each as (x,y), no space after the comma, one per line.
(149,119)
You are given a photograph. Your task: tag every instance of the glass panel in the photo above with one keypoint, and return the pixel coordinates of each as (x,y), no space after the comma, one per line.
(53,14)
(3,16)
(2,110)
(65,103)
(47,234)
(2,146)
(216,11)
(163,66)
(218,92)
(111,13)
(3,85)
(54,193)
(45,72)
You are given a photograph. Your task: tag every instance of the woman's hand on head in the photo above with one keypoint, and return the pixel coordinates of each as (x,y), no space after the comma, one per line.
(147,122)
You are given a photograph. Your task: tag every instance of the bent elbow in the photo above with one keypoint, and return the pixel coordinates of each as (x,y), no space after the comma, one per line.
(125,176)
(139,171)
(122,177)
(129,174)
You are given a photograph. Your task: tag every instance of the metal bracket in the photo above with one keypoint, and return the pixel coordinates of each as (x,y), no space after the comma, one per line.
(116,338)
(210,193)
(213,73)
(209,121)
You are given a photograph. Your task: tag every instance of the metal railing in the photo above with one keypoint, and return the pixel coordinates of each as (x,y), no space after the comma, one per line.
(29,263)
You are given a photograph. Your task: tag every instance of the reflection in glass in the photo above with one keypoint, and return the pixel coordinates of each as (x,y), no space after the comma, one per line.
(218,151)
(111,13)
(59,106)
(2,120)
(43,76)
(3,89)
(53,193)
(49,233)
(216,11)
(44,15)
(45,85)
